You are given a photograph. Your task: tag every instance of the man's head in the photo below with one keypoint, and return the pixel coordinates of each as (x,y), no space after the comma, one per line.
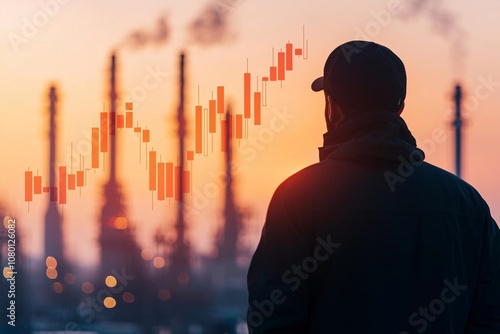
(360,77)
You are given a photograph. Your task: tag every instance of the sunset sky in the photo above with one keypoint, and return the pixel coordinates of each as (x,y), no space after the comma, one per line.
(69,43)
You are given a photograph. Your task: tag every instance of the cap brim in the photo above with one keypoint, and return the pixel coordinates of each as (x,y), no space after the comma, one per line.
(318,84)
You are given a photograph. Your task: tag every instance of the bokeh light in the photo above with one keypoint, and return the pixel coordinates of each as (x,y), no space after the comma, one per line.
(7,272)
(109,302)
(88,287)
(128,297)
(6,222)
(120,223)
(51,273)
(58,287)
(110,281)
(164,294)
(147,254)
(159,262)
(51,262)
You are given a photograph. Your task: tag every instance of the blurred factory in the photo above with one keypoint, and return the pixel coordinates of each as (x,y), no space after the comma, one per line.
(130,291)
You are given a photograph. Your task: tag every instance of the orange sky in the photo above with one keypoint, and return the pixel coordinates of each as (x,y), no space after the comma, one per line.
(72,49)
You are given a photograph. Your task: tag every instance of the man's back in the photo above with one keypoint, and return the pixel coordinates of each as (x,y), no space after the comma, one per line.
(374,240)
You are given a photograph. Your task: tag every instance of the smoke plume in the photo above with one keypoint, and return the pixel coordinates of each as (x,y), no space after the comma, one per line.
(212,25)
(144,37)
(444,22)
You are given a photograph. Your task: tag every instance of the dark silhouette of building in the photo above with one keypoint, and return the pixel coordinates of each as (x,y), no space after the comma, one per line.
(176,278)
(121,271)
(227,243)
(52,272)
(53,220)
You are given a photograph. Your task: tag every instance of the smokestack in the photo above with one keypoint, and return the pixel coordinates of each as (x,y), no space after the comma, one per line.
(118,248)
(180,256)
(457,124)
(113,198)
(53,220)
(112,117)
(229,155)
(228,250)
(52,136)
(182,131)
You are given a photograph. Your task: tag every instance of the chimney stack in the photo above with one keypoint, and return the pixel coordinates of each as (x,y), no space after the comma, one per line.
(112,117)
(457,124)
(180,256)
(53,219)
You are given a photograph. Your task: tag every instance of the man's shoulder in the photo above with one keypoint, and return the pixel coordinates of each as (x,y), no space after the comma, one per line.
(304,176)
(310,180)
(438,189)
(443,178)
(341,176)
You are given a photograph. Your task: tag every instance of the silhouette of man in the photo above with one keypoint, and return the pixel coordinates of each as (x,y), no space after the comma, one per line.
(372,239)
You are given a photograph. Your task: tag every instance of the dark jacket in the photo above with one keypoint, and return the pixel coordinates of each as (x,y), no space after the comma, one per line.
(372,239)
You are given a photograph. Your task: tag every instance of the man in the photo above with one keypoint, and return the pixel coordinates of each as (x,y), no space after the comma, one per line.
(372,239)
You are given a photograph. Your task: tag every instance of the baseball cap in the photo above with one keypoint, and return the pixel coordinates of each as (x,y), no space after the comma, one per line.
(363,75)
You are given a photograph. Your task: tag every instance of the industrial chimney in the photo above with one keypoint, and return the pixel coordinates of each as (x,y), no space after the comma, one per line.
(457,124)
(180,258)
(53,219)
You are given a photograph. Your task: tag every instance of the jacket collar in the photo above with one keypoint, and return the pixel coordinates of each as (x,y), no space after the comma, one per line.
(370,136)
